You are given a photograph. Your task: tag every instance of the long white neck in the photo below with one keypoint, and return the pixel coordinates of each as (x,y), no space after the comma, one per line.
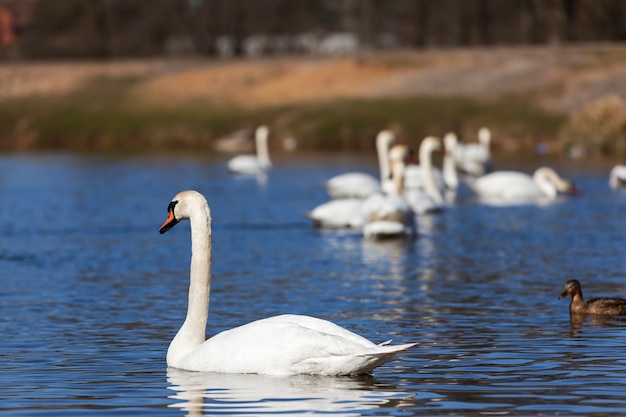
(193,331)
(382,149)
(548,181)
(484,138)
(450,175)
(430,186)
(262,150)
(398,169)
(383,143)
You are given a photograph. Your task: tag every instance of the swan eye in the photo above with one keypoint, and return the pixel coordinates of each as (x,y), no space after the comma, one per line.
(171,206)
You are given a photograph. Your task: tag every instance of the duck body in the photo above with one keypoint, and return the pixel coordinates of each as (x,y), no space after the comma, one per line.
(280,345)
(597,306)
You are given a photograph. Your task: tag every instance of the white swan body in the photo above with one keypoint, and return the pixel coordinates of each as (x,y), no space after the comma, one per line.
(360,185)
(389,215)
(475,158)
(617,177)
(518,187)
(281,345)
(352,185)
(345,212)
(253,164)
(338,214)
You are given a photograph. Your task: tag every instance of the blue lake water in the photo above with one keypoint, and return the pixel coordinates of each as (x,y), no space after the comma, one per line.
(91,294)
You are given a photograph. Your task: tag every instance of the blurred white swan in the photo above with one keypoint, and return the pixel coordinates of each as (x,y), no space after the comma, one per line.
(361,185)
(389,215)
(475,158)
(516,187)
(345,212)
(280,345)
(617,177)
(253,164)
(428,197)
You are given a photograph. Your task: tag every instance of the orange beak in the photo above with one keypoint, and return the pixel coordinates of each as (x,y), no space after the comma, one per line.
(169,223)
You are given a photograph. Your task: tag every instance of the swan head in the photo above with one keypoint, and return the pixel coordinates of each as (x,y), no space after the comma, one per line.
(181,208)
(400,154)
(571,287)
(262,132)
(450,141)
(385,138)
(551,183)
(429,144)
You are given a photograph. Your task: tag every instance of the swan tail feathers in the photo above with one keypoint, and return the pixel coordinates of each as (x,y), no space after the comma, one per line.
(383,354)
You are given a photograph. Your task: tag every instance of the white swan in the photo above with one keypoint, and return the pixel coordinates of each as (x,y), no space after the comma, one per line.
(617,177)
(428,198)
(511,187)
(253,164)
(475,158)
(280,345)
(361,185)
(389,215)
(345,212)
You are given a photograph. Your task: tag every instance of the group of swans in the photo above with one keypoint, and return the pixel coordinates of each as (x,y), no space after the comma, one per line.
(292,344)
(506,187)
(386,208)
(281,345)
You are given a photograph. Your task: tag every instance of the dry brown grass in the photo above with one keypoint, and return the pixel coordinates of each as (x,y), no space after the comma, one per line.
(562,79)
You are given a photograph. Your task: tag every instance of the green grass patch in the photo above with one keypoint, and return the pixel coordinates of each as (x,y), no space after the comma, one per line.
(102,116)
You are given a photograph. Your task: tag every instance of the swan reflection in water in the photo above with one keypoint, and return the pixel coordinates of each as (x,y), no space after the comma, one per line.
(205,393)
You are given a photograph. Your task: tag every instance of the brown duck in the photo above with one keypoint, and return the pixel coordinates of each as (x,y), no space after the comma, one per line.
(603,306)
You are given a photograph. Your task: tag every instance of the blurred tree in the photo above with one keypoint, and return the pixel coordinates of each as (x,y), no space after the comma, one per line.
(123,28)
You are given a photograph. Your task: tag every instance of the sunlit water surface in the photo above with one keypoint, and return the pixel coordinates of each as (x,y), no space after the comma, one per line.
(91,294)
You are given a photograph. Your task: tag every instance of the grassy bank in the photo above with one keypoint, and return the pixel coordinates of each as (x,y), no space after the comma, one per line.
(102,116)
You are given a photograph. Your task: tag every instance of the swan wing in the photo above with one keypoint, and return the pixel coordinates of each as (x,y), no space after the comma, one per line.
(507,185)
(244,164)
(287,345)
(338,214)
(352,185)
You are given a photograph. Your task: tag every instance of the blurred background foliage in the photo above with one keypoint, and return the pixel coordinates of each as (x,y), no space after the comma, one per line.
(104,113)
